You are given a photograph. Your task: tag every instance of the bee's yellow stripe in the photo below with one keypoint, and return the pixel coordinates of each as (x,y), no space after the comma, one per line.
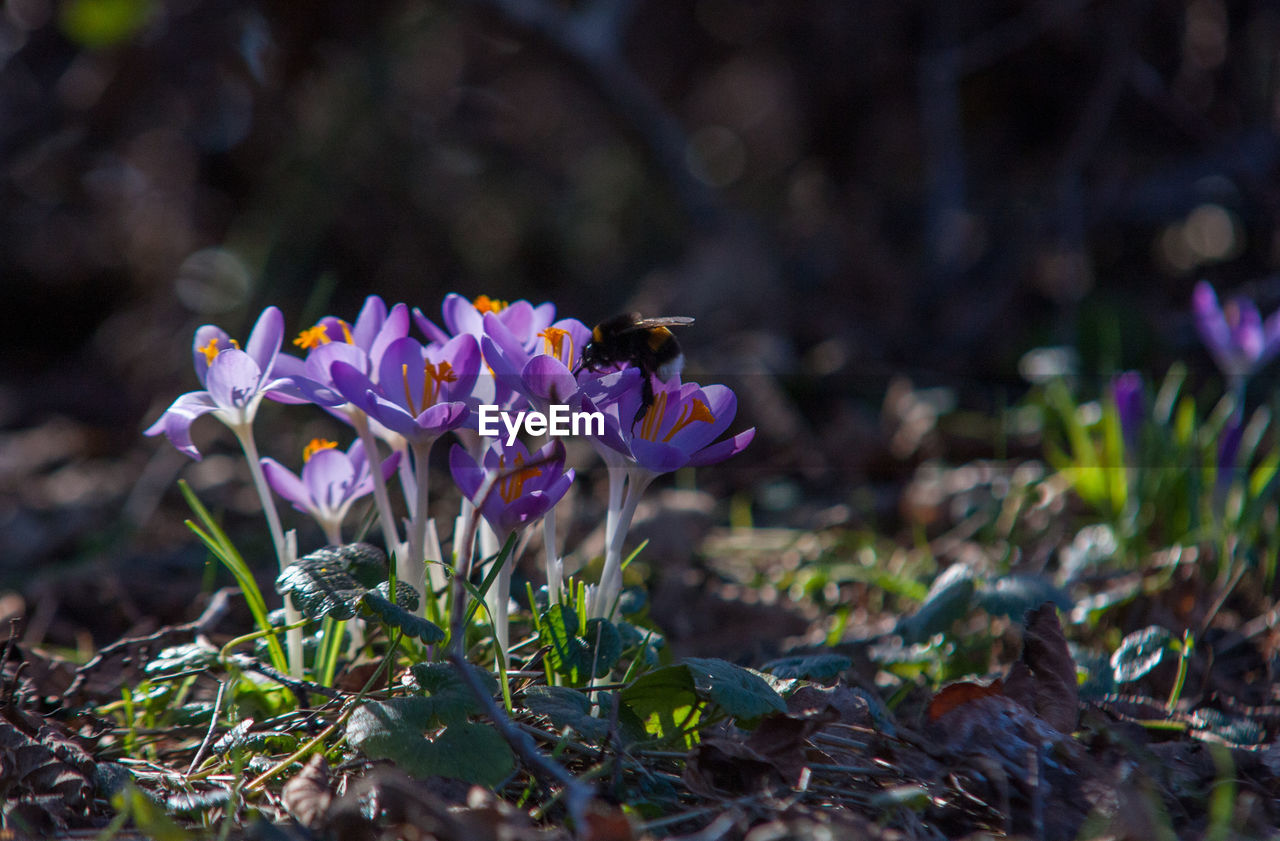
(658,336)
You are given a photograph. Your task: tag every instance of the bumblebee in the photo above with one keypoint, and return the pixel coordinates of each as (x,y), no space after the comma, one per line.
(646,343)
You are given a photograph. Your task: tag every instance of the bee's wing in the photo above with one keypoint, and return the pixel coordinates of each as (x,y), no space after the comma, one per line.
(666,321)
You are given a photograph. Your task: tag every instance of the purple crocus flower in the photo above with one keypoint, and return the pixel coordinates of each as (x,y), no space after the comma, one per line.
(520,499)
(464,317)
(420,391)
(679,429)
(1127,392)
(331,481)
(362,347)
(541,369)
(1235,334)
(234,380)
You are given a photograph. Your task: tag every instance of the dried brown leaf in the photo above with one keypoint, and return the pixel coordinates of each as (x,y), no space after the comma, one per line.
(307,796)
(1044,680)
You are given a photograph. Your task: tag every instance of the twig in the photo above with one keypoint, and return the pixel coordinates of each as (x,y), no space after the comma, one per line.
(576,793)
(208,736)
(299,686)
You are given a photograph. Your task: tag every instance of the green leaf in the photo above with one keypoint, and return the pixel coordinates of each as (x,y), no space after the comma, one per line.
(320,586)
(471,752)
(566,707)
(104,23)
(558,630)
(665,702)
(148,815)
(397,617)
(1139,653)
(366,562)
(451,698)
(1014,595)
(603,647)
(406,595)
(740,692)
(181,658)
(376,727)
(221,547)
(393,729)
(949,599)
(810,667)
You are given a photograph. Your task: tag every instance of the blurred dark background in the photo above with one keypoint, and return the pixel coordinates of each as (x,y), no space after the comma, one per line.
(850,197)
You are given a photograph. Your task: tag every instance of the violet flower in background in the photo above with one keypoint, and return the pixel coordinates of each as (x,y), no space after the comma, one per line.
(234,380)
(331,481)
(1229,449)
(1127,391)
(1235,335)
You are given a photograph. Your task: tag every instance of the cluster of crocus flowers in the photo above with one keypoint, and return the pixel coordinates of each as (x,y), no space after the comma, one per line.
(401,393)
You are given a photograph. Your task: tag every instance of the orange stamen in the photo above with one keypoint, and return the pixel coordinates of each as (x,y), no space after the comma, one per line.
(512,487)
(553,342)
(697,411)
(312,337)
(653,416)
(316,445)
(486,304)
(408,395)
(210,351)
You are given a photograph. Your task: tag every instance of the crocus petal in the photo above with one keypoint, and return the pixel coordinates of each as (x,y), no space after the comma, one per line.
(429,329)
(1209,319)
(391,415)
(353,385)
(283,386)
(468,475)
(1271,337)
(1246,330)
(721,402)
(176,421)
(722,450)
(400,373)
(657,456)
(329,478)
(518,318)
(461,316)
(395,327)
(370,320)
(283,481)
(265,338)
(206,334)
(443,417)
(579,335)
(233,379)
(548,379)
(463,355)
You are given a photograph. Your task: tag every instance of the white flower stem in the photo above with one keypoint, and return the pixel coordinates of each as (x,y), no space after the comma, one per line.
(555,566)
(284,557)
(412,568)
(611,575)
